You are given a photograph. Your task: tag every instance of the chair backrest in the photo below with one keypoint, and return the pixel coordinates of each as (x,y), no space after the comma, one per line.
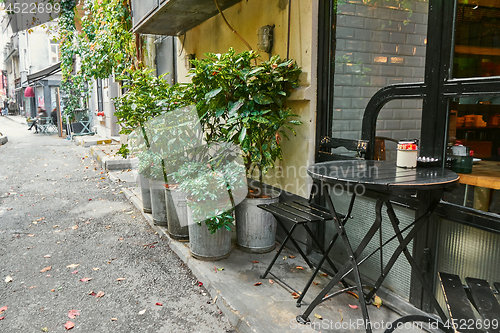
(45,120)
(360,147)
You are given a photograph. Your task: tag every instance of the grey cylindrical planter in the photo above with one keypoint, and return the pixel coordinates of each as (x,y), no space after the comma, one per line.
(145,194)
(256,228)
(158,202)
(206,246)
(177,215)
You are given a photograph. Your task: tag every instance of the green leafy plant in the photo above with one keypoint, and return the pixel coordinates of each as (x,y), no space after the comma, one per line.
(244,104)
(209,185)
(150,165)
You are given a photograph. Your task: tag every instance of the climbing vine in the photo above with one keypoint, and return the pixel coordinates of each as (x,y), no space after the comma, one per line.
(104,47)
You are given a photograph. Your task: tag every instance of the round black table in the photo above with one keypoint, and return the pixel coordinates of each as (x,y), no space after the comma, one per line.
(385,181)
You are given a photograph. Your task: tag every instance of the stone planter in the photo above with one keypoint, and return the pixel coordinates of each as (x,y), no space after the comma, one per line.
(256,228)
(177,215)
(145,194)
(158,202)
(206,246)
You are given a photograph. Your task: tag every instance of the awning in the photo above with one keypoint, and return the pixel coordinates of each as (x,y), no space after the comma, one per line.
(46,72)
(175,17)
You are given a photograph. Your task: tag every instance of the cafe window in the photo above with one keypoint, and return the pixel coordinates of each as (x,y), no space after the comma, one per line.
(473,145)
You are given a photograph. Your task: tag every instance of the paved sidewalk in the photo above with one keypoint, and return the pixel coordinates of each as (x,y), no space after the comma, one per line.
(269,307)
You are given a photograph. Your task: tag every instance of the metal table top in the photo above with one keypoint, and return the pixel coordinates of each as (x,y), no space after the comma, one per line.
(382,175)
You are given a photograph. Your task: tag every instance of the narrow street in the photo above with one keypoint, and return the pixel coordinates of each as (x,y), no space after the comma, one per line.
(70,240)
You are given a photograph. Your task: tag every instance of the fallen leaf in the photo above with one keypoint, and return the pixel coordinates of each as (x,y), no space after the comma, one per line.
(142,312)
(8,279)
(31,235)
(121,279)
(95,268)
(45,329)
(300,267)
(107,227)
(3,309)
(55,226)
(48,268)
(159,304)
(271,281)
(92,293)
(318,316)
(72,266)
(200,284)
(74,272)
(85,279)
(285,258)
(114,319)
(377,301)
(32,287)
(291,257)
(295,295)
(215,299)
(353,294)
(353,306)
(315,283)
(74,227)
(128,213)
(52,290)
(69,325)
(73,313)
(121,238)
(257,284)
(2,318)
(255,262)
(324,274)
(100,294)
(341,315)
(47,256)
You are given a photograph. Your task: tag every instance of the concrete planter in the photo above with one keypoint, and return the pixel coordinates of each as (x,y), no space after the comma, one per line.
(158,202)
(177,215)
(256,228)
(206,246)
(145,194)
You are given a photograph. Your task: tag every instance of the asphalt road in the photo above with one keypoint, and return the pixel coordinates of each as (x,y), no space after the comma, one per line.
(68,235)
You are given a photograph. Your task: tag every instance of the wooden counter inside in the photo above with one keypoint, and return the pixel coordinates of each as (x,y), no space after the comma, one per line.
(484,174)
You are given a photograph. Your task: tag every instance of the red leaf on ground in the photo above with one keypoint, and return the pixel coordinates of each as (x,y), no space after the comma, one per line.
(3,308)
(48,268)
(200,284)
(291,257)
(73,313)
(295,295)
(255,262)
(258,284)
(159,304)
(74,272)
(100,294)
(86,279)
(353,306)
(92,293)
(300,267)
(69,325)
(2,318)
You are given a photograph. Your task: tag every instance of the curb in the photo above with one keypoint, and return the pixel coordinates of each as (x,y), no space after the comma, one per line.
(107,163)
(237,320)
(3,140)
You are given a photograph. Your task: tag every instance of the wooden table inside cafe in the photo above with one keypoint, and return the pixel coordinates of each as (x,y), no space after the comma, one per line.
(485,176)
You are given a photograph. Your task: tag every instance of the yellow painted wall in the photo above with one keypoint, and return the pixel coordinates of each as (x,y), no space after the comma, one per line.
(246,18)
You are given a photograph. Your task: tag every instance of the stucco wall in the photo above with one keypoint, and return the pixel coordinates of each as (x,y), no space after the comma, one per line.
(246,18)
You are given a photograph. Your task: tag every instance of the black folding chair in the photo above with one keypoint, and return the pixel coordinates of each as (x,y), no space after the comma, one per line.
(303,213)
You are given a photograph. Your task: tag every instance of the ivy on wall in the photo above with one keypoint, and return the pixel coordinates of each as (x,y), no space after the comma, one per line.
(104,47)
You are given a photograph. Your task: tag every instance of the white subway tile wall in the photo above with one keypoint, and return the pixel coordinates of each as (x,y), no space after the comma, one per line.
(378,45)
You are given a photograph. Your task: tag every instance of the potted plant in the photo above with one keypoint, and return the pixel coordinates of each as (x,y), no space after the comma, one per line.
(244,104)
(210,183)
(138,105)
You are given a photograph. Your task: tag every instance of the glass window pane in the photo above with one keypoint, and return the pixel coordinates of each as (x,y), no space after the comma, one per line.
(477,39)
(378,43)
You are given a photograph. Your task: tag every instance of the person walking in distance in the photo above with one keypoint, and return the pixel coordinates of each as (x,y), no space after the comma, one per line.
(41,114)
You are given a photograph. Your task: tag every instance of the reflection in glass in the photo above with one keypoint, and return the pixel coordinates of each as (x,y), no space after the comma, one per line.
(477,39)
